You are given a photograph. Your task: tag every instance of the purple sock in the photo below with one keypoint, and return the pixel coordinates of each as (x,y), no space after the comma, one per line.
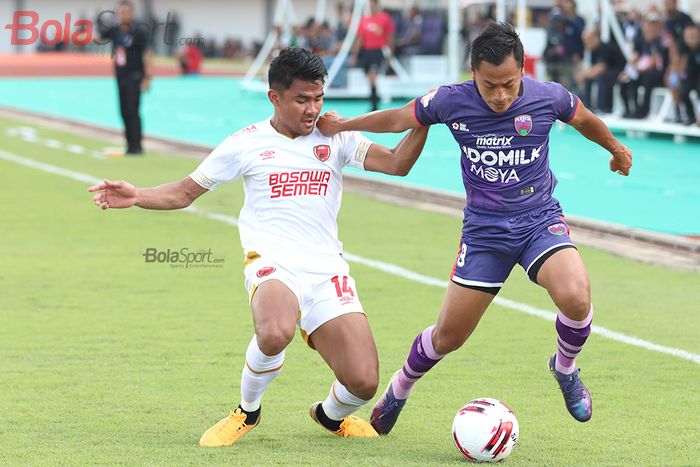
(421,358)
(572,335)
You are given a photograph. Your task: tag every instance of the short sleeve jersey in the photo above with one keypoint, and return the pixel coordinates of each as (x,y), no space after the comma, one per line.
(292,188)
(504,156)
(374,31)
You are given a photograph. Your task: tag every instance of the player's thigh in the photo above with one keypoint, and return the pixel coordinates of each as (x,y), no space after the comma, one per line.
(274,300)
(274,303)
(461,311)
(564,276)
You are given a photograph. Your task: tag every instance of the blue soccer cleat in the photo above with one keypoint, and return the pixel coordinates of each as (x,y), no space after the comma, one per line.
(576,396)
(387,410)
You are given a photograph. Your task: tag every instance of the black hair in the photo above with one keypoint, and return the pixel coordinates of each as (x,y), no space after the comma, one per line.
(496,42)
(295,63)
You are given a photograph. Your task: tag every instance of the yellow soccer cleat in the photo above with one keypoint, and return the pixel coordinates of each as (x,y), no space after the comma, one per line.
(227,431)
(350,427)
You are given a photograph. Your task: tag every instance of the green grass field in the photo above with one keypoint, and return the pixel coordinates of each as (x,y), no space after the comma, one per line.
(105,359)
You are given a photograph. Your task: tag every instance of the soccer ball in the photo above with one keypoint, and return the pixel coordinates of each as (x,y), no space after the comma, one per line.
(485,430)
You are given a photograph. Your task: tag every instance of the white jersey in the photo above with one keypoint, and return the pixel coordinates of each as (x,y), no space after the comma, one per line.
(293,189)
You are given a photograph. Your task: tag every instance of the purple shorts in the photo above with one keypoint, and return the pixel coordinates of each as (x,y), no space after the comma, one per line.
(492,244)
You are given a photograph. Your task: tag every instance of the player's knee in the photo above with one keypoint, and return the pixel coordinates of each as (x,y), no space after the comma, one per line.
(575,301)
(273,340)
(445,341)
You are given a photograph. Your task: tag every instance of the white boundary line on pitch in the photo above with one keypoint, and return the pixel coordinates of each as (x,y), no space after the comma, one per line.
(379,265)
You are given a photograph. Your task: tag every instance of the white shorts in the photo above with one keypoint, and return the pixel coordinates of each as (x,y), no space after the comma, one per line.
(322,296)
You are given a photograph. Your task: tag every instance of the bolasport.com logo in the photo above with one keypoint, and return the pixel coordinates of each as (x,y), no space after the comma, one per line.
(184,258)
(29,28)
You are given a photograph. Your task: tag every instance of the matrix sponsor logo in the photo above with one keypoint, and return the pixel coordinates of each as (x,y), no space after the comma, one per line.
(183,258)
(493,141)
(299,183)
(498,166)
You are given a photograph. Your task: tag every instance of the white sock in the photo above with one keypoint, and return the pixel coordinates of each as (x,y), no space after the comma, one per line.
(341,402)
(259,371)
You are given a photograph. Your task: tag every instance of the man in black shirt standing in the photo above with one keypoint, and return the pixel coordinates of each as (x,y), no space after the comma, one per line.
(131,57)
(676,21)
(607,62)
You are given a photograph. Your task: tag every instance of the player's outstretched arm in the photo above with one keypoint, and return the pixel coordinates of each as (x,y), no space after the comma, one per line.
(395,120)
(400,160)
(122,194)
(594,129)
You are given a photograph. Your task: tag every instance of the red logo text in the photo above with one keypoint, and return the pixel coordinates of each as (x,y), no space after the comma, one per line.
(307,182)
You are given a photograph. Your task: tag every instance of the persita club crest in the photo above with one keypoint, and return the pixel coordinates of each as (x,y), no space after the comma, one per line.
(523,125)
(322,152)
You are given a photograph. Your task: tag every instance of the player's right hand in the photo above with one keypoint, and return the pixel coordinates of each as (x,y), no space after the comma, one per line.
(329,123)
(115,195)
(621,160)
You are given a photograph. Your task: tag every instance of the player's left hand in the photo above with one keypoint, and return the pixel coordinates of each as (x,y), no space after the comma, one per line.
(621,160)
(329,123)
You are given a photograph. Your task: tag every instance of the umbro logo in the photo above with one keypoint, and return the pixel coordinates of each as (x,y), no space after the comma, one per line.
(459,126)
(265,155)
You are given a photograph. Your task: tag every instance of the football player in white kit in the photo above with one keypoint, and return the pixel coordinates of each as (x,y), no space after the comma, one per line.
(294,269)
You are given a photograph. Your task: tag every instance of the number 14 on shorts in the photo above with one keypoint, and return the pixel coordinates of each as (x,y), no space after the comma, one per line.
(341,286)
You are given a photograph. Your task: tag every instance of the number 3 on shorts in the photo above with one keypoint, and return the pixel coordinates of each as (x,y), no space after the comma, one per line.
(462,255)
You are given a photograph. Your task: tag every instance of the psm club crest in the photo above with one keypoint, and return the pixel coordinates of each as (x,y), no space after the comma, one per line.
(322,152)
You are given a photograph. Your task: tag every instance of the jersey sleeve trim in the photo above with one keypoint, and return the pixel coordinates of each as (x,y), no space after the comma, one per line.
(415,114)
(202,180)
(578,106)
(361,153)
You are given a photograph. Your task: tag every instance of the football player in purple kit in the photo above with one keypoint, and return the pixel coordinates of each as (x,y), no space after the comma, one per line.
(501,121)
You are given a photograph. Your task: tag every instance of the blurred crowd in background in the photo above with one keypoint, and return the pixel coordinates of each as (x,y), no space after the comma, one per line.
(664,44)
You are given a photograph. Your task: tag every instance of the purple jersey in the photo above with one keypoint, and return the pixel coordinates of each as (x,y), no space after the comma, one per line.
(505,165)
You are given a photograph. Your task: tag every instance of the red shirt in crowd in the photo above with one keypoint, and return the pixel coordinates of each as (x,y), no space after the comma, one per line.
(374,31)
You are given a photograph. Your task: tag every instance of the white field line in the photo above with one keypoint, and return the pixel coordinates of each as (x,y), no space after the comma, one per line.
(379,265)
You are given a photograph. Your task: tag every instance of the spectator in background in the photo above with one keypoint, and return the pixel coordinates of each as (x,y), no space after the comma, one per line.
(632,26)
(645,69)
(190,58)
(375,32)
(691,40)
(564,44)
(325,40)
(409,41)
(311,34)
(132,56)
(676,22)
(342,22)
(607,62)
